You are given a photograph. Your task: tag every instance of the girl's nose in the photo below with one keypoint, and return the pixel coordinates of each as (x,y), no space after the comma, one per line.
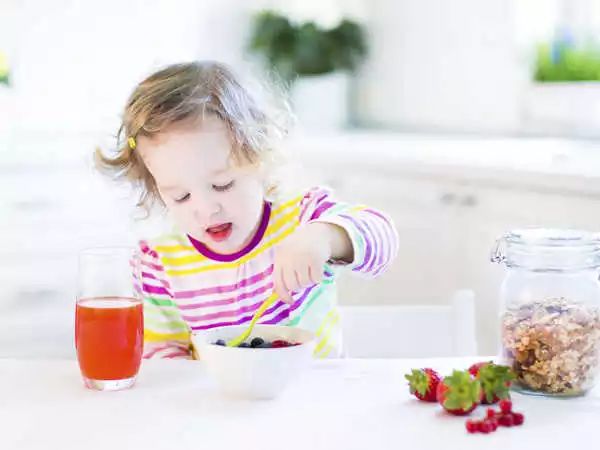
(208,212)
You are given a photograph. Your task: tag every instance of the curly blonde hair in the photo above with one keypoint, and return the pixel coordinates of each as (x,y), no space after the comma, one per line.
(256,117)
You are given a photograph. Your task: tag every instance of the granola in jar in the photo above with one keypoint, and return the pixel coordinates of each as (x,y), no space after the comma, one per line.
(553,345)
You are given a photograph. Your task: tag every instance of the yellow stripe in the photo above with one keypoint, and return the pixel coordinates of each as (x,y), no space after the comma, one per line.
(325,352)
(174,248)
(326,329)
(151,336)
(196,257)
(280,208)
(183,260)
(237,263)
(327,334)
(326,320)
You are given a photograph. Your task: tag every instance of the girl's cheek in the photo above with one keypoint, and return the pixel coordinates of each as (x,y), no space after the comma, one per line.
(233,202)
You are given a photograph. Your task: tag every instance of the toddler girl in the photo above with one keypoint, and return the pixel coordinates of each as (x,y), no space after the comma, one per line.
(201,143)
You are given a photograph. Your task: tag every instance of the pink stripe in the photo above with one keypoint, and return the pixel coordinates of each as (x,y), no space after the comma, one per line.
(378,214)
(383,265)
(269,311)
(378,253)
(315,202)
(321,209)
(284,314)
(228,301)
(155,290)
(280,315)
(232,312)
(302,297)
(145,247)
(150,276)
(238,322)
(367,234)
(176,355)
(226,288)
(155,351)
(390,240)
(278,318)
(153,266)
(293,307)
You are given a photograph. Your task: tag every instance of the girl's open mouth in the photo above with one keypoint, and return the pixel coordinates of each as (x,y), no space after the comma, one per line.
(219,233)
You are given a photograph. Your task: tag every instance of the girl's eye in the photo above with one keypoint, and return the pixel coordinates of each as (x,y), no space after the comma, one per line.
(224,187)
(183,198)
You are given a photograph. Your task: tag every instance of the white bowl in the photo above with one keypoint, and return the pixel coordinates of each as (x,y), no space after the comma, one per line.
(254,373)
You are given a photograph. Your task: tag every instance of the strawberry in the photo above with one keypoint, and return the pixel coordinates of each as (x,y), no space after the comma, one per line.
(423,384)
(518,418)
(495,380)
(505,406)
(506,420)
(474,369)
(459,393)
(472,426)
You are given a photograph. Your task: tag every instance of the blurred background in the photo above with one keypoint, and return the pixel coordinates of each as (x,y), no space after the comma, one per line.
(461,119)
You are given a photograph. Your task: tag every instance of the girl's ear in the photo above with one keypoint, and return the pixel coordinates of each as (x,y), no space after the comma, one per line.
(268,179)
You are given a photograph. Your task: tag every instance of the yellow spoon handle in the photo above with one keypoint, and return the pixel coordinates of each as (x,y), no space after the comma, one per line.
(235,342)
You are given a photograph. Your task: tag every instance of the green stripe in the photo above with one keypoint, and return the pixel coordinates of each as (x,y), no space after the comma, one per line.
(159,301)
(310,301)
(160,327)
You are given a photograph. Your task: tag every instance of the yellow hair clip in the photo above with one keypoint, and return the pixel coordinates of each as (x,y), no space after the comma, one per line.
(131,142)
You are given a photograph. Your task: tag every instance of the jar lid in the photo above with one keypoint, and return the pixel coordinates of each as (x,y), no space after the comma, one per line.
(548,249)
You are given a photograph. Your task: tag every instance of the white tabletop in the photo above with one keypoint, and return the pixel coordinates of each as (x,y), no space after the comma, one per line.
(342,404)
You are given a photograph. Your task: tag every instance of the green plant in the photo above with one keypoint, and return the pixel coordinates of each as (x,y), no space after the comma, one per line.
(561,62)
(305,48)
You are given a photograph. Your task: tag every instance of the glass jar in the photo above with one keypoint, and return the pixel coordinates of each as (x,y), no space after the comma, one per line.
(550,313)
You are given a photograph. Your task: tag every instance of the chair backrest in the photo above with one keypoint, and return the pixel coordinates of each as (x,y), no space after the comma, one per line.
(411,331)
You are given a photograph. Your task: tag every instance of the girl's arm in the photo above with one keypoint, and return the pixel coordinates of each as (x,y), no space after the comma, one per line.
(166,335)
(361,237)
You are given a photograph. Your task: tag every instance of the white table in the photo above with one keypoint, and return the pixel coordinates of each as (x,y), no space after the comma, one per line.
(345,404)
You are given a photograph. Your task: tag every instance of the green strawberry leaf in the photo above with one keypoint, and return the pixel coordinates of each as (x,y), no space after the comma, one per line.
(417,381)
(462,391)
(495,381)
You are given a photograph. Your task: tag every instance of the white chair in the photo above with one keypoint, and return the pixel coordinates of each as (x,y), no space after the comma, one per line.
(383,331)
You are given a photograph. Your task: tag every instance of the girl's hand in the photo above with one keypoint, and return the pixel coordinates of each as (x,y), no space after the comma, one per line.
(300,258)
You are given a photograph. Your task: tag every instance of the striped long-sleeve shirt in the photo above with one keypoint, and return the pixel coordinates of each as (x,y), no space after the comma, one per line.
(186,287)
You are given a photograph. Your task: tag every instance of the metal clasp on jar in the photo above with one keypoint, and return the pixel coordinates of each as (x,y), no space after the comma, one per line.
(498,254)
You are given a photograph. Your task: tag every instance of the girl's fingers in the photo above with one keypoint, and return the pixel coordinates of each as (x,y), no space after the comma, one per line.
(287,285)
(279,285)
(315,273)
(303,277)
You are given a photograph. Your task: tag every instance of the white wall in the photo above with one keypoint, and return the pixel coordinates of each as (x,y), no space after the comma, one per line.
(74,63)
(433,64)
(442,65)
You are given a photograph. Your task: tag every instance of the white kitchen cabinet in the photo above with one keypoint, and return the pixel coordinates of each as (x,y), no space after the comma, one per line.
(47,215)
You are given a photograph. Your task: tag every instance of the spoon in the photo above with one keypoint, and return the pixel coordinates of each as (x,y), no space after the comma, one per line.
(235,342)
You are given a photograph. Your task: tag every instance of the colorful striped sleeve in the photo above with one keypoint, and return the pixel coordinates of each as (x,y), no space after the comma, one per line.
(372,233)
(166,334)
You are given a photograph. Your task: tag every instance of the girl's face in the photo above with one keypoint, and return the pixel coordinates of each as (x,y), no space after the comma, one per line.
(210,199)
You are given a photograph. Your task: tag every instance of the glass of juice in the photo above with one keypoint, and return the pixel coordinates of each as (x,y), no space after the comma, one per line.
(109,321)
